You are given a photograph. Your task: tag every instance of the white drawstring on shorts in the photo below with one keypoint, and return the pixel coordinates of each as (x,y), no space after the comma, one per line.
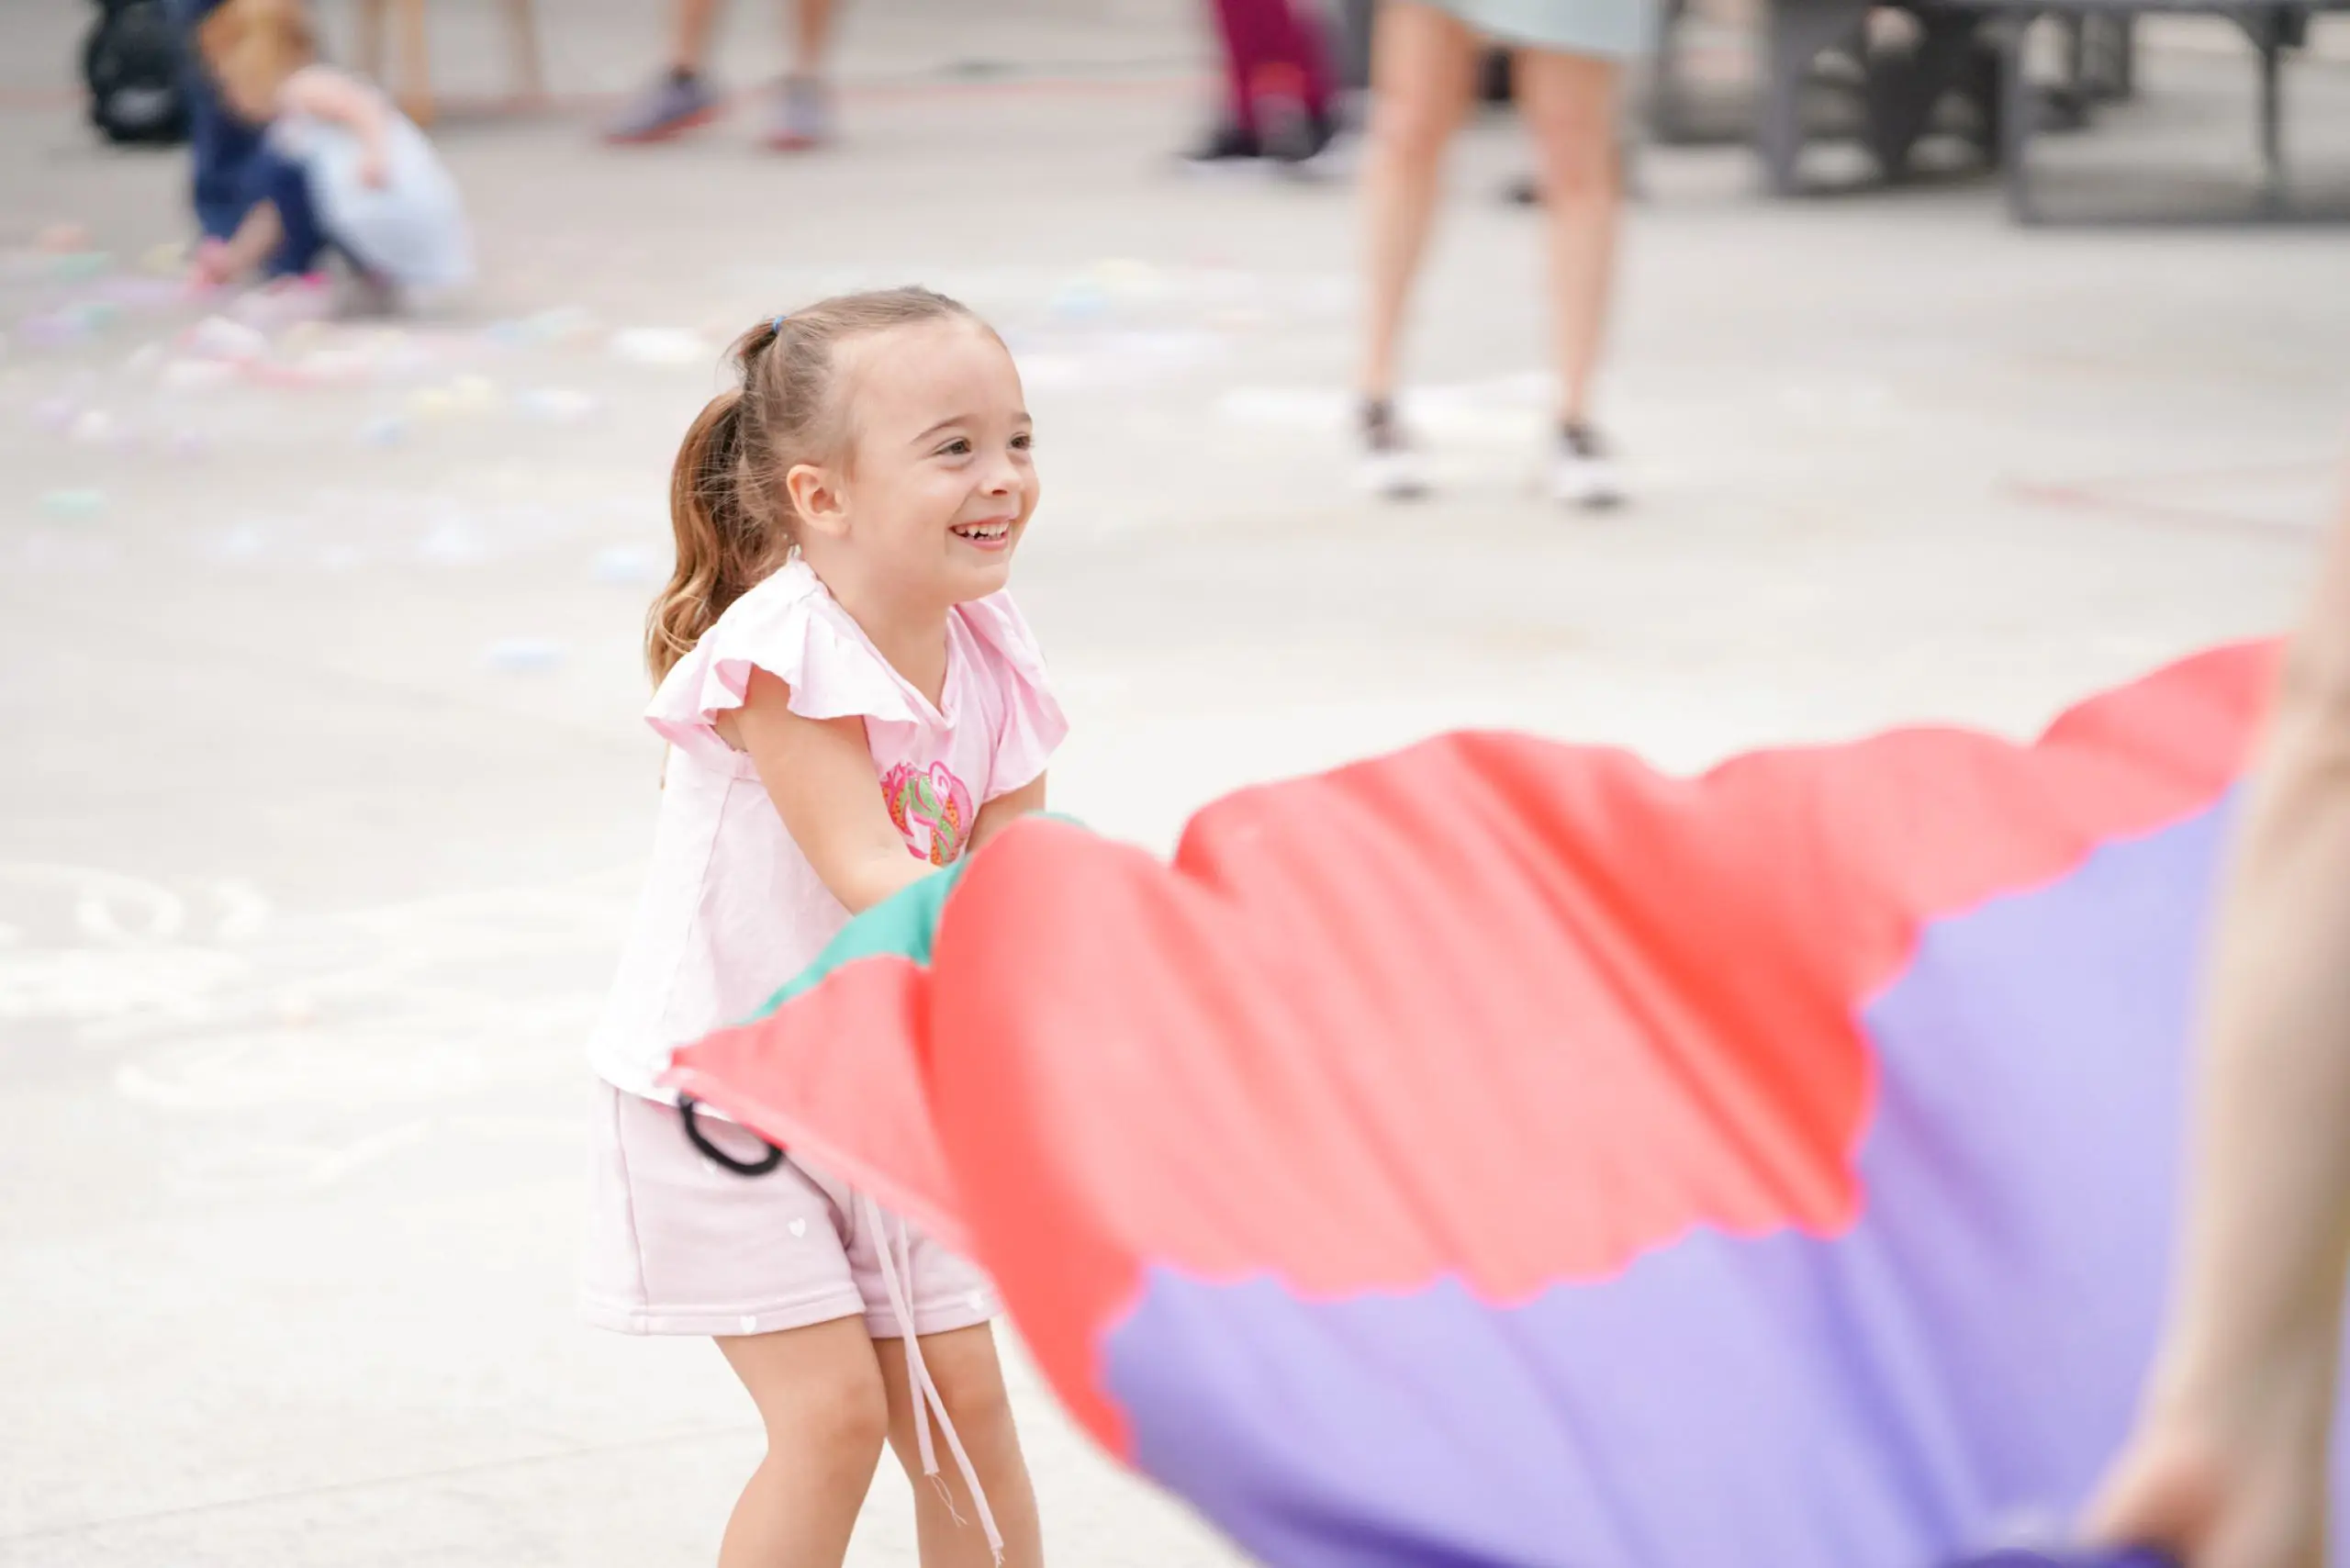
(897,1279)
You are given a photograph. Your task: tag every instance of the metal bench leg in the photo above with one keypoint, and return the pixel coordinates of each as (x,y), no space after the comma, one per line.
(1799,30)
(1668,118)
(2272,128)
(1902,90)
(2018,114)
(2107,70)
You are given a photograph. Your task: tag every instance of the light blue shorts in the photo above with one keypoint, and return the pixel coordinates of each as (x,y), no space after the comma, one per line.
(1611,29)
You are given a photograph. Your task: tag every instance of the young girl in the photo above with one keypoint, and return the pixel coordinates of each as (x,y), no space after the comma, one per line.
(340,167)
(851,700)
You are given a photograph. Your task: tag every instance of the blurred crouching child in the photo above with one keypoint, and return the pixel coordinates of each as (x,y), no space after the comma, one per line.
(343,169)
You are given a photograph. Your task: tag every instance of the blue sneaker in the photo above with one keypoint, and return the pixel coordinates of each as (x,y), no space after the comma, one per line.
(678,103)
(802,118)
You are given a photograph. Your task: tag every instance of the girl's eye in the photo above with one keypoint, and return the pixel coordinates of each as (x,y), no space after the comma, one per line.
(1022,441)
(959,447)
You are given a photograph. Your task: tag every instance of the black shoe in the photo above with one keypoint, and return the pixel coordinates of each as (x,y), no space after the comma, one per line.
(1228,146)
(1286,128)
(1300,141)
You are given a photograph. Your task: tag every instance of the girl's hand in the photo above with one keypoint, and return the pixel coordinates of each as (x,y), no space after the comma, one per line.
(2236,1489)
(1005,810)
(212,266)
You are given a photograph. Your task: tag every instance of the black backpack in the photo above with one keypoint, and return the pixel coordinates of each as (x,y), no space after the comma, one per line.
(132,61)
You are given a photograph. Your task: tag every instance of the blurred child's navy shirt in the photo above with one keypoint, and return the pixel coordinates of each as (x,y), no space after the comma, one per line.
(234,164)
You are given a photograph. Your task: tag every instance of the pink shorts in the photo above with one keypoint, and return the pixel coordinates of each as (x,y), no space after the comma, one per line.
(676,1244)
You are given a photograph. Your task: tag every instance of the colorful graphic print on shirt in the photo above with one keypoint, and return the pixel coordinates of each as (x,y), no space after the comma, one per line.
(931,809)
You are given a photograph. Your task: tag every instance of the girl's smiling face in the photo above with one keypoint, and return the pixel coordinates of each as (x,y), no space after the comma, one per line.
(937,480)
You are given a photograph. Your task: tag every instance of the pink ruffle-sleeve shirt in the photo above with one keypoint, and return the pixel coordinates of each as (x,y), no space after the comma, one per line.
(732,909)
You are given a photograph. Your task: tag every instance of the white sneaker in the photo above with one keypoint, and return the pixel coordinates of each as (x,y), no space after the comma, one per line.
(1583,474)
(1391,469)
(1396,474)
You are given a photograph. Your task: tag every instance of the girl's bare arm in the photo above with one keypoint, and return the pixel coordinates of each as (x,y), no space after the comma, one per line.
(819,773)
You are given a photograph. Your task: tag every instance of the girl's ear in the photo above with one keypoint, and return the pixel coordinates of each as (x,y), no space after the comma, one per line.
(816,499)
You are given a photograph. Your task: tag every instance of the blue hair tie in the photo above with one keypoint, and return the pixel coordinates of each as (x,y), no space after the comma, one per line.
(777,325)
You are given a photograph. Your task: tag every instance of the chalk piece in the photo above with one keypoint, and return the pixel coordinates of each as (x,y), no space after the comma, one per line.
(53,328)
(217,337)
(94,427)
(561,325)
(388,429)
(522,656)
(335,365)
(301,338)
(143,293)
(1124,275)
(246,542)
(164,259)
(73,503)
(284,302)
(452,544)
(194,374)
(59,238)
(658,345)
(556,404)
(1079,301)
(81,265)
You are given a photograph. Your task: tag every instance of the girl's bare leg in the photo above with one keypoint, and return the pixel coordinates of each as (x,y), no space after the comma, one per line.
(821,1396)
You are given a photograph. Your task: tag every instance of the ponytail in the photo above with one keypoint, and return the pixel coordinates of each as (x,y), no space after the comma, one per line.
(707,515)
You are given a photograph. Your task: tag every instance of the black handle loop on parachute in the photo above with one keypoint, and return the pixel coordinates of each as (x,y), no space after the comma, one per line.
(700,1141)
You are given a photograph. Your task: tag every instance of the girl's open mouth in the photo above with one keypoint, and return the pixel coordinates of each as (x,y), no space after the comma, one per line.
(986,535)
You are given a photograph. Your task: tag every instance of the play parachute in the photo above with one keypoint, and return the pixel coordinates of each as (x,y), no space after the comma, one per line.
(1503,1154)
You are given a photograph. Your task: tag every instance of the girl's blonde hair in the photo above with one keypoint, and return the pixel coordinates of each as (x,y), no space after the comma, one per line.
(727,503)
(252,46)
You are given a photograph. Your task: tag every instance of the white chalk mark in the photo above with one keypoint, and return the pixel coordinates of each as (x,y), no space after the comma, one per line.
(384,1062)
(367,1151)
(96,894)
(562,1129)
(158,912)
(213,1002)
(244,912)
(313,1166)
(94,987)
